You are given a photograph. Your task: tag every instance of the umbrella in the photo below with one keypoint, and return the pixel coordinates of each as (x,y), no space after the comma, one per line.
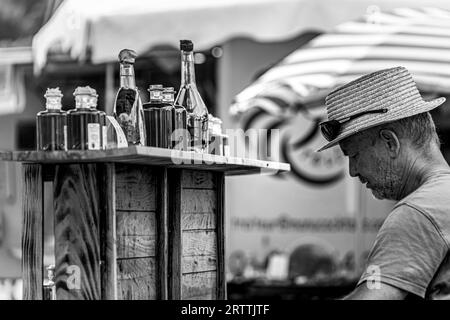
(418,39)
(290,95)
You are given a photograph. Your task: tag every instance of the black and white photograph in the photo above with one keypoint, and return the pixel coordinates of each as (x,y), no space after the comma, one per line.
(225,155)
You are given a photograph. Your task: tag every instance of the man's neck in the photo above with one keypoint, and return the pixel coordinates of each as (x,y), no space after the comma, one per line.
(420,170)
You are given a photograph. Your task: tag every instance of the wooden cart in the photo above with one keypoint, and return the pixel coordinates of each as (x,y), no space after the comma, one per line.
(131,223)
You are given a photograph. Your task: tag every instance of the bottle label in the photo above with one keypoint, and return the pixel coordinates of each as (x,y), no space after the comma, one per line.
(105,137)
(94,136)
(121,138)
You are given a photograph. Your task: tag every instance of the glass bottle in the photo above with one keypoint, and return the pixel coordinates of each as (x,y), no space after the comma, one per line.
(189,97)
(128,109)
(83,122)
(102,114)
(49,285)
(167,114)
(51,129)
(179,136)
(153,114)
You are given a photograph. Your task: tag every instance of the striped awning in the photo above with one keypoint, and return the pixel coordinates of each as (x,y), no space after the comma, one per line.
(418,39)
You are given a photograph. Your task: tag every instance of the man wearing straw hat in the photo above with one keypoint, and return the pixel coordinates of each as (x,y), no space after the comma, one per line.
(384,127)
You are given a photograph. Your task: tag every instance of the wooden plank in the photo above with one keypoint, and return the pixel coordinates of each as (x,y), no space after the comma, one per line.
(221,276)
(128,269)
(32,248)
(198,201)
(135,188)
(163,234)
(195,179)
(108,231)
(77,236)
(199,286)
(136,223)
(136,246)
(199,263)
(137,289)
(196,221)
(174,265)
(199,243)
(149,156)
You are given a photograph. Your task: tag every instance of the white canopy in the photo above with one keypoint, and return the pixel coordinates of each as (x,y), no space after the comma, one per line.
(104,27)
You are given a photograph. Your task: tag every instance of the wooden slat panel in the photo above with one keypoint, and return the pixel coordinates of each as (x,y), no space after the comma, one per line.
(135,188)
(196,286)
(77,236)
(198,201)
(221,280)
(137,289)
(162,219)
(195,221)
(199,264)
(136,223)
(32,249)
(136,246)
(174,263)
(195,179)
(108,231)
(128,269)
(199,243)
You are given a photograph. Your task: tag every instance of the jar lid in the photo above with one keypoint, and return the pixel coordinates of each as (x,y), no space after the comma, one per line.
(53,92)
(82,91)
(155,87)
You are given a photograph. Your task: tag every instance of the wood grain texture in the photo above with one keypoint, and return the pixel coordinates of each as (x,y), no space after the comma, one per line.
(128,269)
(77,236)
(199,286)
(135,188)
(196,179)
(108,231)
(136,246)
(198,221)
(198,201)
(137,289)
(32,248)
(221,276)
(199,243)
(136,223)
(202,263)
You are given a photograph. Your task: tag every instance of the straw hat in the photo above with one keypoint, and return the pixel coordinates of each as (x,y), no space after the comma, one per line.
(393,89)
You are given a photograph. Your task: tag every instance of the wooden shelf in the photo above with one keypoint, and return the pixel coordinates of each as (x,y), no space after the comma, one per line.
(150,156)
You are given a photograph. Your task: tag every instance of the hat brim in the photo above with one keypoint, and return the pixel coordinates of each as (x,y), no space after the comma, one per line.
(387,117)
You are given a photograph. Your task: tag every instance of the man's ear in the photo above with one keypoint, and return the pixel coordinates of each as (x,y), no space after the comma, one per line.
(391,141)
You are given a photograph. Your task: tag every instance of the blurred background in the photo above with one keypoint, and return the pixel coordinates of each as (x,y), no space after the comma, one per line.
(259,64)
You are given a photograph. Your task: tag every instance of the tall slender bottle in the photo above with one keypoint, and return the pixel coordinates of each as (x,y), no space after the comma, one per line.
(152,116)
(189,97)
(128,109)
(103,126)
(167,112)
(175,118)
(83,123)
(51,129)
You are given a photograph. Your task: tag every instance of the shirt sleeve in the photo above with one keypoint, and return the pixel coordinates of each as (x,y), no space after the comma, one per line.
(407,252)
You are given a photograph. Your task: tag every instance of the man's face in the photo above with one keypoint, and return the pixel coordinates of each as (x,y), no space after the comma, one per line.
(369,161)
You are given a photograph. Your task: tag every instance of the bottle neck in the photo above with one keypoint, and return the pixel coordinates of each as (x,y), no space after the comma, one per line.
(168,98)
(127,79)
(187,68)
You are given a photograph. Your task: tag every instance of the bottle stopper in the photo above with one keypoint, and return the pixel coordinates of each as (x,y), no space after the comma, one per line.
(127,56)
(53,92)
(186,45)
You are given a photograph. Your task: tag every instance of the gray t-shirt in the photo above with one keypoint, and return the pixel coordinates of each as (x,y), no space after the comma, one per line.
(411,250)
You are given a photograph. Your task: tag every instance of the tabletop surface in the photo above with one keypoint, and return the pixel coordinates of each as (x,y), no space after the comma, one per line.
(150,156)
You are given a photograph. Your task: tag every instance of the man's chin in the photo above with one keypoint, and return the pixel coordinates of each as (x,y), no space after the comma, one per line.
(378,195)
